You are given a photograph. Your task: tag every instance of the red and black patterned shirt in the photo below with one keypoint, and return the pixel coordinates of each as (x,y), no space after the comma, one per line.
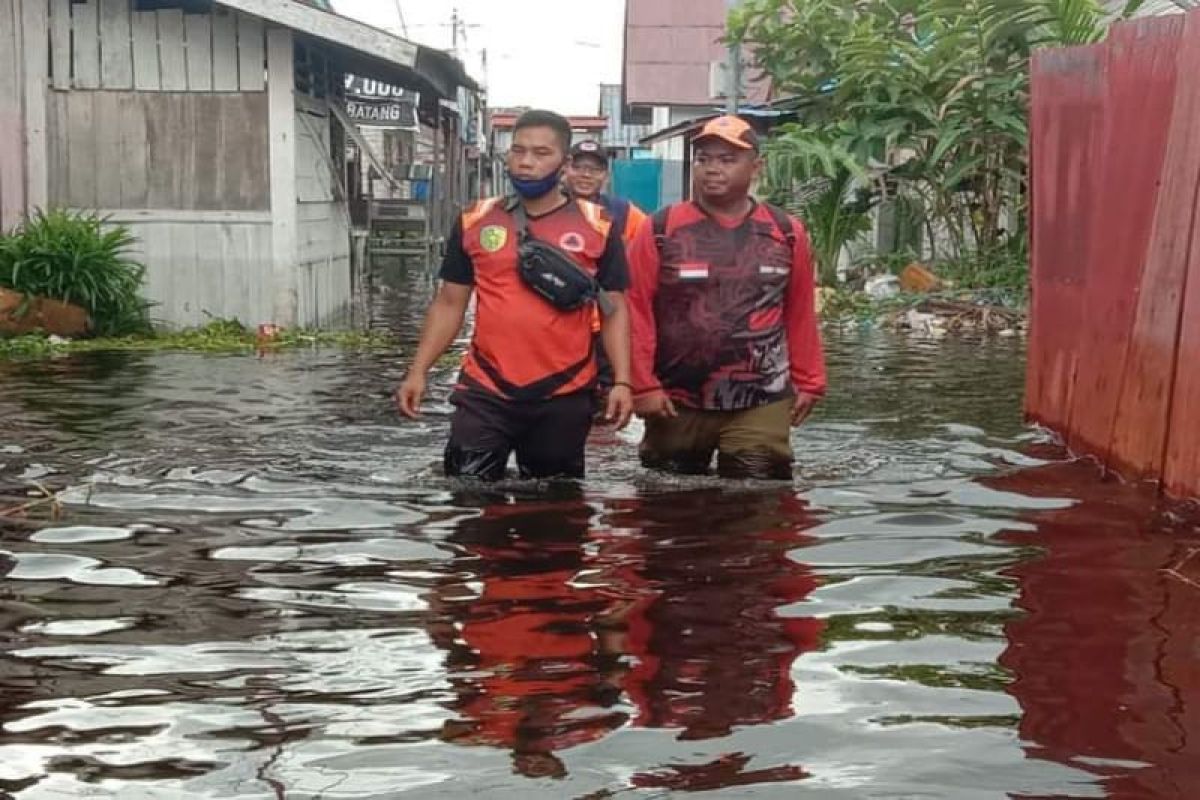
(725,319)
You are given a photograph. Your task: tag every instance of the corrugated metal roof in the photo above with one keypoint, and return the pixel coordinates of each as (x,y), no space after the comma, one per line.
(763,119)
(363,49)
(669,47)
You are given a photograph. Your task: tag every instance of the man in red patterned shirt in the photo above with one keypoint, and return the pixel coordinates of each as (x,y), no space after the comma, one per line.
(727,355)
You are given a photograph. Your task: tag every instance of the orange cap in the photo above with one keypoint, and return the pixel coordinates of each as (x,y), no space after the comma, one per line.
(732,129)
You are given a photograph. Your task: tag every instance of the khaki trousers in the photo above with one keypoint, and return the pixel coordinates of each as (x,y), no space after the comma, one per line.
(755,443)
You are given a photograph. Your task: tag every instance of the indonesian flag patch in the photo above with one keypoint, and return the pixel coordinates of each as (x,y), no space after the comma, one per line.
(693,272)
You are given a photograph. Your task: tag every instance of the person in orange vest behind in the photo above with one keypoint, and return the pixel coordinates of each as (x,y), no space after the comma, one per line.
(539,263)
(727,354)
(586,177)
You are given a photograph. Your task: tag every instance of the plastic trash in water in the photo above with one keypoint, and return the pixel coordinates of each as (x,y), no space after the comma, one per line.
(881,287)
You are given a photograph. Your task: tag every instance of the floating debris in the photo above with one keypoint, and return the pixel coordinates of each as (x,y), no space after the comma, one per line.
(937,316)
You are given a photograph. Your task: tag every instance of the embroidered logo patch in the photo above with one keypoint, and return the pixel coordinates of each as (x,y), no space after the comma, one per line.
(493,237)
(572,242)
(766,269)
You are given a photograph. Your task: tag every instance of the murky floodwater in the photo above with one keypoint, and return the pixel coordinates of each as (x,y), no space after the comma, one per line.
(261,588)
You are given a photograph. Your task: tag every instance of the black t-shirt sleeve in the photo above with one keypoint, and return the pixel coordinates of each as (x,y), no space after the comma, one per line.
(613,267)
(456,265)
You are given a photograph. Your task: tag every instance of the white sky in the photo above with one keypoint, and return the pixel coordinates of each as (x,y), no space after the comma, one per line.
(545,53)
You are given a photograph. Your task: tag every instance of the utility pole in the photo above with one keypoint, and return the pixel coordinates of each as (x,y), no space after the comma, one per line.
(735,66)
(454,31)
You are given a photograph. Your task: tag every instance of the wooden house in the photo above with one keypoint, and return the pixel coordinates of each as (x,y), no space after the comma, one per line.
(215,129)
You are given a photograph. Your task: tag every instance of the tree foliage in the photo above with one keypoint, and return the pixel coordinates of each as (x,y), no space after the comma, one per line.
(925,97)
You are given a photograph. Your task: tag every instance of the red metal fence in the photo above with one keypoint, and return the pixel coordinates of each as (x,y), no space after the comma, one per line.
(1115,333)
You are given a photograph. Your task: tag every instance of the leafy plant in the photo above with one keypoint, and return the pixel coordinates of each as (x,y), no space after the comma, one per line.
(845,305)
(1003,268)
(929,96)
(822,184)
(76,258)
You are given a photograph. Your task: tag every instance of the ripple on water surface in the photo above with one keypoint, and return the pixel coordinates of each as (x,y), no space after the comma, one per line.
(260,587)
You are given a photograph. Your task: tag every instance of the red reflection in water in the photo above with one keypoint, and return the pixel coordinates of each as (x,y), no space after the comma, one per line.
(1106,660)
(700,579)
(523,659)
(671,607)
(723,773)
(702,576)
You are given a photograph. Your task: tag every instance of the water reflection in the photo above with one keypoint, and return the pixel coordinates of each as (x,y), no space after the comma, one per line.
(563,625)
(1105,657)
(523,655)
(707,572)
(700,578)
(68,423)
(262,587)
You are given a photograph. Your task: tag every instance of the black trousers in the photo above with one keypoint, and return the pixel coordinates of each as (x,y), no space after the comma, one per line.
(548,436)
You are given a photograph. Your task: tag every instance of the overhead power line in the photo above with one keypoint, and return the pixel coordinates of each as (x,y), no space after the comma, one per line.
(400,14)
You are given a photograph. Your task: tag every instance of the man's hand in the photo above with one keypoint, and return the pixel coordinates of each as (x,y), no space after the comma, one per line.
(410,394)
(619,407)
(805,403)
(656,404)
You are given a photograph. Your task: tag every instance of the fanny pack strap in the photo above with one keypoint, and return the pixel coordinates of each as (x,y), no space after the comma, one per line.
(516,209)
(514,206)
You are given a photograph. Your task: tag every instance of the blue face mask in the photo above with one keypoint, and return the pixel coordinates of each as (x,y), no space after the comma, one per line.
(532,189)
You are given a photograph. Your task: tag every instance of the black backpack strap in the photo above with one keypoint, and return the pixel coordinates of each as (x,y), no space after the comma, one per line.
(618,209)
(516,209)
(659,221)
(784,222)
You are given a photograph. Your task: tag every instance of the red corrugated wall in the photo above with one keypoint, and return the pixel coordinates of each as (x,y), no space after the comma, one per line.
(1115,333)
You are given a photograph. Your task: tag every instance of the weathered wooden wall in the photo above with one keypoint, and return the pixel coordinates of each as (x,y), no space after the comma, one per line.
(23,62)
(204,264)
(158,120)
(323,222)
(12,117)
(166,122)
(1115,339)
(106,44)
(191,151)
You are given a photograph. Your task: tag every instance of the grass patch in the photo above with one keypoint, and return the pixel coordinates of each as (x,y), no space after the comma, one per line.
(218,336)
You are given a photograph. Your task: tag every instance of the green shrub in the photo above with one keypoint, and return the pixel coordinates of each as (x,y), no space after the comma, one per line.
(1000,268)
(74,257)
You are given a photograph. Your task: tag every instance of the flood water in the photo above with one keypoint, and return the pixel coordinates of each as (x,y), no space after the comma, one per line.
(261,587)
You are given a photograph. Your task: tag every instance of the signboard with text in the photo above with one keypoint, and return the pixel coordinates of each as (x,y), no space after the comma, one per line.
(374,103)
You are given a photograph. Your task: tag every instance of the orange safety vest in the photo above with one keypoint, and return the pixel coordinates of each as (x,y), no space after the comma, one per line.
(523,348)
